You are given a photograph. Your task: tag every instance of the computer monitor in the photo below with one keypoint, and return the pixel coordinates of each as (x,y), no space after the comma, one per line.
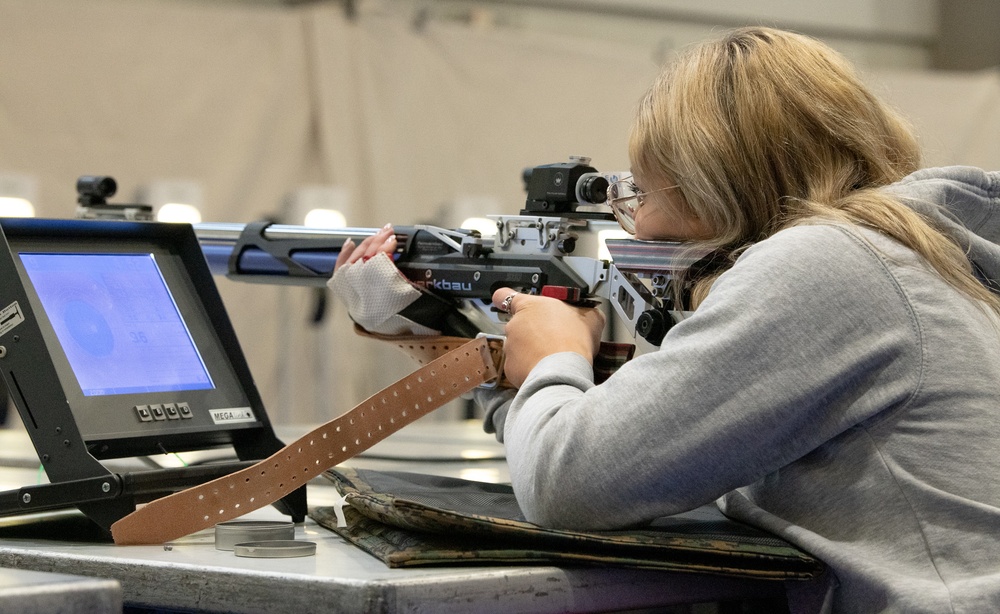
(114,342)
(145,357)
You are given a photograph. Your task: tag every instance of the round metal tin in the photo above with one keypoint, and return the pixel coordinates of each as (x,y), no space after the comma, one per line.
(277,549)
(228,534)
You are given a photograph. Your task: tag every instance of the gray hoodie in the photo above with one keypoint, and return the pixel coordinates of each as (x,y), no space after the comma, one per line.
(831,389)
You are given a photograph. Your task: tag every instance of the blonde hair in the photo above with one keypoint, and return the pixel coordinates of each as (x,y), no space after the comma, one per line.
(765,129)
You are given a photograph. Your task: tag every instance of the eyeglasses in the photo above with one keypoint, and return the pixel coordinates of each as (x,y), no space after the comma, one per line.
(625,200)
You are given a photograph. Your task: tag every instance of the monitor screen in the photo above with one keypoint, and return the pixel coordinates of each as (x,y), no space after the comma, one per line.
(117,322)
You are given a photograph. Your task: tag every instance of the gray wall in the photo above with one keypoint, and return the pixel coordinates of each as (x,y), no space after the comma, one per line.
(410,105)
(968,35)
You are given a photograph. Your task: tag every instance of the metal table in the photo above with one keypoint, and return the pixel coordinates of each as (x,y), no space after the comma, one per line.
(190,574)
(35,592)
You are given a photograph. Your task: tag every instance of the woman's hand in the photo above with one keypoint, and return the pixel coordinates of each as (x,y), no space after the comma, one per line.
(374,291)
(540,326)
(382,241)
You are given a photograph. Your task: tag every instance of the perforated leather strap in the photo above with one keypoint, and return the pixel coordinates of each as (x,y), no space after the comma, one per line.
(438,382)
(610,356)
(425,348)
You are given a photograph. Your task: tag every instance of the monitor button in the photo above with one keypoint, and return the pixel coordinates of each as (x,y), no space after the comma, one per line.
(185,410)
(158,413)
(143,412)
(171,410)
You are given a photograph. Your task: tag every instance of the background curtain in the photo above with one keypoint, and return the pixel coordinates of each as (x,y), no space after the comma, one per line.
(419,122)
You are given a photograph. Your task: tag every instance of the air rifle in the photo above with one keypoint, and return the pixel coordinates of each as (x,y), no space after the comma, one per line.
(534,252)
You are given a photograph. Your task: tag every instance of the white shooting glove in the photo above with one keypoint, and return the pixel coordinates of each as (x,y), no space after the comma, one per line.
(375,293)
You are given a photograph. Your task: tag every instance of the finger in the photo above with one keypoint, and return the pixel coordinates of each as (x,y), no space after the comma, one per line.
(373,248)
(345,253)
(379,241)
(503,299)
(359,251)
(388,245)
(363,247)
(500,294)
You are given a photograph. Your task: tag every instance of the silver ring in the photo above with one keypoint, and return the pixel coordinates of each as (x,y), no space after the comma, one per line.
(505,304)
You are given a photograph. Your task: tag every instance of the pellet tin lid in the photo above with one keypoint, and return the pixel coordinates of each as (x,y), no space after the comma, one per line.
(275,549)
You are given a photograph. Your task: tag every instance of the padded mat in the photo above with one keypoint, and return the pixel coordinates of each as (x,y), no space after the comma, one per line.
(408,519)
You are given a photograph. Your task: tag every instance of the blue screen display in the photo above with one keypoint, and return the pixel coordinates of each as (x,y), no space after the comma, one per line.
(117,323)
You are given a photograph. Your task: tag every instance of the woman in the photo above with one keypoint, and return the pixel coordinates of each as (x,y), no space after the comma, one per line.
(839,381)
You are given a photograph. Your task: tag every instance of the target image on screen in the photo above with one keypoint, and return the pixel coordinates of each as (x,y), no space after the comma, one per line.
(117,323)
